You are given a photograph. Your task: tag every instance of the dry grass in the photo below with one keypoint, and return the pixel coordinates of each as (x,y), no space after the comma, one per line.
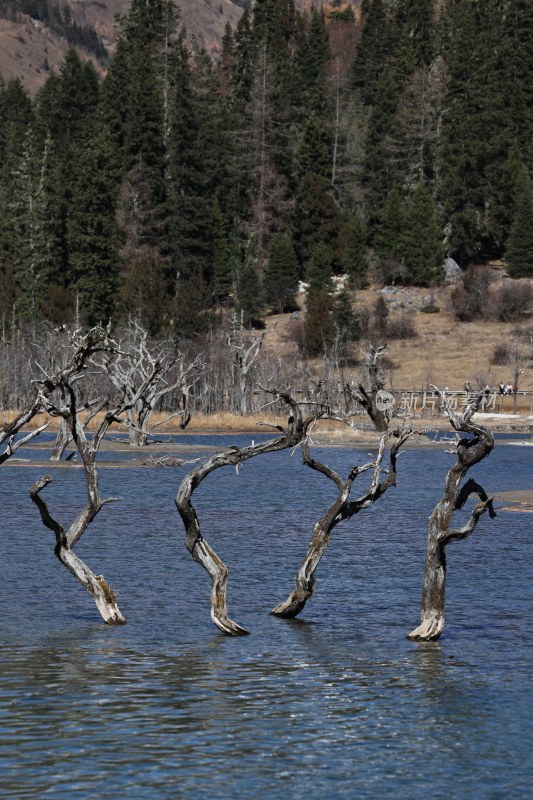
(445,352)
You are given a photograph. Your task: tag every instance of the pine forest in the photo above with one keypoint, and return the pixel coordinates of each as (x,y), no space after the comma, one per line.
(193,195)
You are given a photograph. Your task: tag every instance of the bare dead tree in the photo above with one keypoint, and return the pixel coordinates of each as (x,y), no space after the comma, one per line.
(245,353)
(369,396)
(10,430)
(470,451)
(85,346)
(63,437)
(293,434)
(158,368)
(342,508)
(81,347)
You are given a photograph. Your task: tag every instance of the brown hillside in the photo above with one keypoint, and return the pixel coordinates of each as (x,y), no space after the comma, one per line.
(29,51)
(445,352)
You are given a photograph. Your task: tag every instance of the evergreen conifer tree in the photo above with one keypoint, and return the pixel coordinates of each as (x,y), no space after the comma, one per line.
(319,271)
(92,232)
(354,249)
(249,291)
(388,239)
(519,249)
(319,328)
(345,321)
(223,257)
(280,281)
(421,239)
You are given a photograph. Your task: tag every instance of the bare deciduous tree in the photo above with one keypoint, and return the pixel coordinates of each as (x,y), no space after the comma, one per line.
(197,546)
(78,350)
(341,509)
(471,450)
(245,352)
(160,369)
(85,346)
(368,396)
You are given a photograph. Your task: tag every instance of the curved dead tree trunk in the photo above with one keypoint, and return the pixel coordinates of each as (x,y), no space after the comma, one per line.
(96,585)
(196,545)
(470,451)
(84,346)
(342,508)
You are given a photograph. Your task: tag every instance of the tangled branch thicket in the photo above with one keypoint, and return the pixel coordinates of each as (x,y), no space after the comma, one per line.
(225,383)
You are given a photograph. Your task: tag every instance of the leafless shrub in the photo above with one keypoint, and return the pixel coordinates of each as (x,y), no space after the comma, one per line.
(501,355)
(470,300)
(364,315)
(401,327)
(394,273)
(510,301)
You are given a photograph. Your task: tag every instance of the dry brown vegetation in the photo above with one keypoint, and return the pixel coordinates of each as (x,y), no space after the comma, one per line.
(445,351)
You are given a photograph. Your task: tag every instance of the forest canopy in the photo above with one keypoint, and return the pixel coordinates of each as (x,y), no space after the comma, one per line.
(317,144)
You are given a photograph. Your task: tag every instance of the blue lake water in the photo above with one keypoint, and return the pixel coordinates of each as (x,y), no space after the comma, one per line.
(335,704)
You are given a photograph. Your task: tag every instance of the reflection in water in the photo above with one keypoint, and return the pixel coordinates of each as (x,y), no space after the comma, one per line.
(337,704)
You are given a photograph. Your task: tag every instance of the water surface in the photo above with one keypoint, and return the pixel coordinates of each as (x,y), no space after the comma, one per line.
(335,704)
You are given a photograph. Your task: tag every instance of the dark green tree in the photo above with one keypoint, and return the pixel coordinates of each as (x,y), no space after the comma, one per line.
(223,257)
(372,49)
(476,182)
(314,155)
(388,239)
(519,249)
(193,310)
(345,321)
(36,232)
(319,270)
(249,291)
(193,166)
(421,241)
(319,327)
(354,249)
(317,219)
(311,60)
(93,234)
(144,295)
(280,281)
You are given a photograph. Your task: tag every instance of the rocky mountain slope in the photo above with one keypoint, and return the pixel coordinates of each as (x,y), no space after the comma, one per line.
(29,49)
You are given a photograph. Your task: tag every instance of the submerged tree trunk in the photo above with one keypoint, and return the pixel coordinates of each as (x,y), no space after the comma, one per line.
(96,585)
(85,347)
(341,509)
(196,545)
(469,452)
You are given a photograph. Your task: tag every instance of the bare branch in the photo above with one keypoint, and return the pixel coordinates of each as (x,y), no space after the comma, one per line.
(342,508)
(295,432)
(470,451)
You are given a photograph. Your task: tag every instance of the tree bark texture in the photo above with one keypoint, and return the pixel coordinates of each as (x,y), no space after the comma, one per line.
(341,509)
(470,451)
(96,585)
(196,545)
